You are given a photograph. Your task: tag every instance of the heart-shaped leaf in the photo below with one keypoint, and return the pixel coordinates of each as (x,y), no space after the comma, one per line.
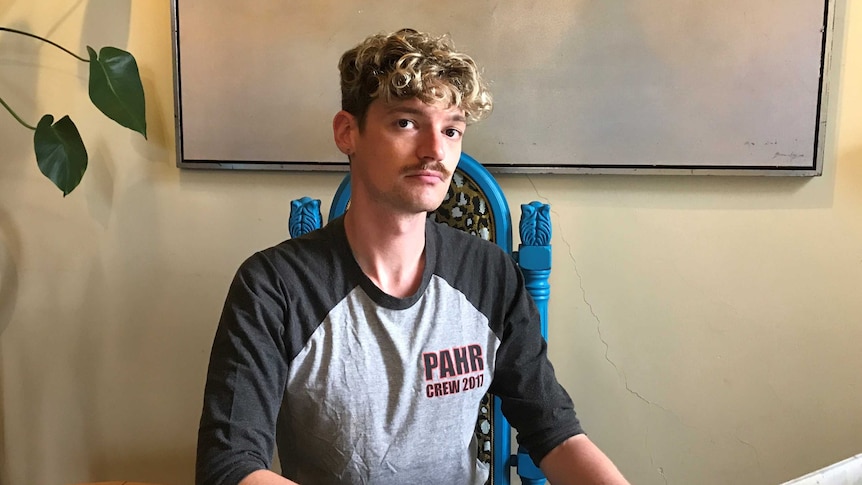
(116,89)
(60,152)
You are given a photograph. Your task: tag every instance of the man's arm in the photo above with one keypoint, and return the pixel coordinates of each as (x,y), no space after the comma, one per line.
(578,461)
(265,477)
(245,379)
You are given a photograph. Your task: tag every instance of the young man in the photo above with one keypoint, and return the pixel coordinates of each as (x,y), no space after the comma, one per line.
(327,343)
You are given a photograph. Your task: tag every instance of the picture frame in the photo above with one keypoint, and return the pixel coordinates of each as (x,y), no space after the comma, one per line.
(664,87)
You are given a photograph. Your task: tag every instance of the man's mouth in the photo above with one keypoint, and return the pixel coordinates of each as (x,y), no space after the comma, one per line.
(427,176)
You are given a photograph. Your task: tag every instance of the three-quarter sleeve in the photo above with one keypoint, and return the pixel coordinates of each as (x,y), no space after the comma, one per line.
(532,399)
(245,379)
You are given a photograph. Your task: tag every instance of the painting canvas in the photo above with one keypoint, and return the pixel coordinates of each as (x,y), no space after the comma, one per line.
(666,86)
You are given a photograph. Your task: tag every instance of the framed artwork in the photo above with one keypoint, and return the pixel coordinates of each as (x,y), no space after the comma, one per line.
(667,86)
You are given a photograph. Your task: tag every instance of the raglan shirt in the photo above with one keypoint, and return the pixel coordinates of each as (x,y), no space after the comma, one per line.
(359,387)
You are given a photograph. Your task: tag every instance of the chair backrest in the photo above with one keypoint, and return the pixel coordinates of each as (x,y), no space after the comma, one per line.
(475,204)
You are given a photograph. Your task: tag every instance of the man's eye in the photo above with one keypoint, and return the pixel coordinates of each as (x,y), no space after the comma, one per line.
(452,133)
(403,123)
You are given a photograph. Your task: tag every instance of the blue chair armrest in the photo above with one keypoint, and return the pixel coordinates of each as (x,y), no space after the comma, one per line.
(534,259)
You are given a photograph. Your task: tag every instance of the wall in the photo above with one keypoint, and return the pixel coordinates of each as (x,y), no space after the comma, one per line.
(708,328)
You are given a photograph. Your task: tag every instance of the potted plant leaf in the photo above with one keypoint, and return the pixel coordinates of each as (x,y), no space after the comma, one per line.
(115,88)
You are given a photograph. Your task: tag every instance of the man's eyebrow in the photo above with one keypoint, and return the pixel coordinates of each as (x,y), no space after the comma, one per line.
(457,117)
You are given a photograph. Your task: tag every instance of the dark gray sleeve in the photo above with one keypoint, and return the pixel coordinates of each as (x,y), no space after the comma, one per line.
(532,399)
(246,379)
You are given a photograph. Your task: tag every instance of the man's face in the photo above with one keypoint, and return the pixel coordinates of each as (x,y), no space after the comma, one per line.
(404,156)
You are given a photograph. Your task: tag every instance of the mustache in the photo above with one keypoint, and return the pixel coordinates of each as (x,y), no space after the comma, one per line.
(430,166)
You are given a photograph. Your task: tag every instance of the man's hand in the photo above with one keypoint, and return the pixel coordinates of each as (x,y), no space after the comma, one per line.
(577,461)
(265,477)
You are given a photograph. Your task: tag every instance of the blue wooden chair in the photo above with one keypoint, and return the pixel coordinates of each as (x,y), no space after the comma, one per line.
(475,203)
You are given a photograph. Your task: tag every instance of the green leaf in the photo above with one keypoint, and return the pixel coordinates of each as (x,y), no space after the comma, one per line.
(116,89)
(60,152)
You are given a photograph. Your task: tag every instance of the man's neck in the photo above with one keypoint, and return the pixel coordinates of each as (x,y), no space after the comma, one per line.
(390,249)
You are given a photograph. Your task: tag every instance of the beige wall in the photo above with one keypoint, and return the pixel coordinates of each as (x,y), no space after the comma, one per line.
(708,328)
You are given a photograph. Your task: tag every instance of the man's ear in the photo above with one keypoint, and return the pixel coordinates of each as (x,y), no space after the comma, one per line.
(344,129)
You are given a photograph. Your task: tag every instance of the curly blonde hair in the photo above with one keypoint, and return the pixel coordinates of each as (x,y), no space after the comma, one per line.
(410,64)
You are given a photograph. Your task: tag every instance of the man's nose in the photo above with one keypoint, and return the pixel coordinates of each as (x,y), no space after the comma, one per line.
(432,146)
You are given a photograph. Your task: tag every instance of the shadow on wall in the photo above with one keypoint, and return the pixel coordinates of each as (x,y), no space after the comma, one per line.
(10,239)
(106,22)
(20,51)
(10,249)
(98,31)
(21,74)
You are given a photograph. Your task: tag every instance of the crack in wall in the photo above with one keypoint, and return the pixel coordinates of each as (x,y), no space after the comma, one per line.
(619,371)
(663,476)
(598,320)
(659,469)
(756,452)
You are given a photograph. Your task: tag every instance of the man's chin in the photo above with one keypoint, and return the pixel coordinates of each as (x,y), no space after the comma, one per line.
(424,204)
(426,208)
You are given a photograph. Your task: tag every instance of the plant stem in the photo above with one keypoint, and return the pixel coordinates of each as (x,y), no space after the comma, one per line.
(15,115)
(14,31)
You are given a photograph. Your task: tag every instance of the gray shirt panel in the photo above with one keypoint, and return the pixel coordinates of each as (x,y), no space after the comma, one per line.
(388,396)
